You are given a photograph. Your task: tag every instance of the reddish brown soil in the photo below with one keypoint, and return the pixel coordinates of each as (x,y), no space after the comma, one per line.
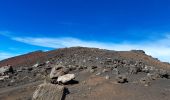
(89,86)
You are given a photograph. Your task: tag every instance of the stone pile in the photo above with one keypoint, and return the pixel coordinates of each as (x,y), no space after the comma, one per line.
(54,88)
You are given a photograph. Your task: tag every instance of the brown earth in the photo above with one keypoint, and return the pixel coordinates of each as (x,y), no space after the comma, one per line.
(90,82)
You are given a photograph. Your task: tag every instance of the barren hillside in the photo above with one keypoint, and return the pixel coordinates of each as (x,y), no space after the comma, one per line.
(99,75)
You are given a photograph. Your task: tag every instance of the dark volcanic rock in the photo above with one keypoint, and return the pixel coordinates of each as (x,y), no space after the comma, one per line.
(121,79)
(97,73)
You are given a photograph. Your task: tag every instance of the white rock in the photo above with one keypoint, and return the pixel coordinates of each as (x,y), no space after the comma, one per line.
(98,73)
(3,77)
(84,61)
(105,70)
(65,78)
(47,62)
(107,77)
(36,65)
(5,69)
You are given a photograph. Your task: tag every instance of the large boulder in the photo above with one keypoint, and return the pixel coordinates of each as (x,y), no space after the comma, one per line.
(57,71)
(6,69)
(65,78)
(48,91)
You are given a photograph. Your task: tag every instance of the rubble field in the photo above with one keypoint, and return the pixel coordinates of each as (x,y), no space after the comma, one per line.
(81,73)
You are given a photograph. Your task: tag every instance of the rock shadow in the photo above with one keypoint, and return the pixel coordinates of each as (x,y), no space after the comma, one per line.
(72,82)
(66,92)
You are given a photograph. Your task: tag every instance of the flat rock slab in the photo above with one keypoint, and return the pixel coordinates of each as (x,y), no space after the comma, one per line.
(48,91)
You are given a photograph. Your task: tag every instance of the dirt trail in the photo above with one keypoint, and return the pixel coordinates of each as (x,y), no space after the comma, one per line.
(10,91)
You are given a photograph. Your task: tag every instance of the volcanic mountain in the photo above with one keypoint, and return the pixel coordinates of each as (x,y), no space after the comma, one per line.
(99,75)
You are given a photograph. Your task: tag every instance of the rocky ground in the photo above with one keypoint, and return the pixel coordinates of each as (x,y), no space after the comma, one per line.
(80,73)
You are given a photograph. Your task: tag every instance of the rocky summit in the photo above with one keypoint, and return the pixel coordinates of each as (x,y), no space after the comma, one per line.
(80,73)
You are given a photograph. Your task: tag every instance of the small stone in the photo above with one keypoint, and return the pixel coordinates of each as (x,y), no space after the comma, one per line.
(84,61)
(72,67)
(121,79)
(98,73)
(84,82)
(146,81)
(36,65)
(93,67)
(47,62)
(116,71)
(146,69)
(19,70)
(97,58)
(3,77)
(105,70)
(30,69)
(12,81)
(92,70)
(107,77)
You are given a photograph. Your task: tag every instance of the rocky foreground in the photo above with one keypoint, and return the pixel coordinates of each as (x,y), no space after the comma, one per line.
(85,74)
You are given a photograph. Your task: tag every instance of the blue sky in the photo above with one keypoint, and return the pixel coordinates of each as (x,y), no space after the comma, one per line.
(29,25)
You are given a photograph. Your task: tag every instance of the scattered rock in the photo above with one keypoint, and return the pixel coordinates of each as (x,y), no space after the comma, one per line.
(146,81)
(93,67)
(3,77)
(163,73)
(47,62)
(36,65)
(30,69)
(6,70)
(121,79)
(12,81)
(116,71)
(108,59)
(107,77)
(92,70)
(147,69)
(105,70)
(104,64)
(98,73)
(48,91)
(134,69)
(19,70)
(72,67)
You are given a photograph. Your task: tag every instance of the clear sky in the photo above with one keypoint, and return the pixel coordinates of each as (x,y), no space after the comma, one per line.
(29,25)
